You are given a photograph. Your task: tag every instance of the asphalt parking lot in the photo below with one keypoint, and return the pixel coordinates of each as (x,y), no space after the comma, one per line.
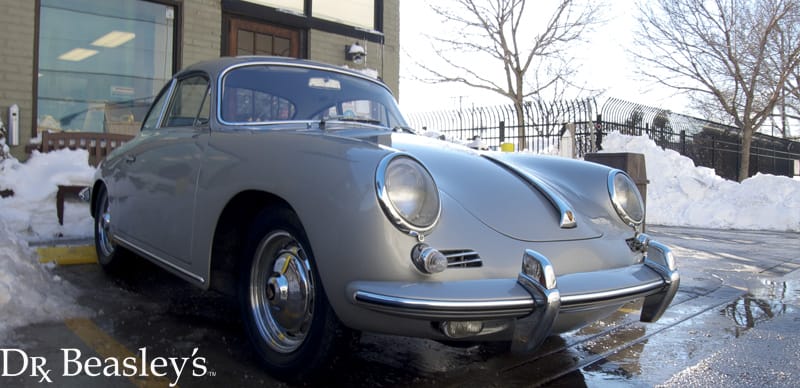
(733,323)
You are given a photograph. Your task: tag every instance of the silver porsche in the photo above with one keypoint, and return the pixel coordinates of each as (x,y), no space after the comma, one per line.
(299,188)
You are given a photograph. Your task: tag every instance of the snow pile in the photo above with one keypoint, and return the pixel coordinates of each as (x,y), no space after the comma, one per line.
(29,292)
(31,211)
(681,194)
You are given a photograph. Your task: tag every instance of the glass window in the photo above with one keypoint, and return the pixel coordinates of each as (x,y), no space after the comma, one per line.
(359,13)
(186,102)
(259,94)
(155,112)
(102,76)
(289,5)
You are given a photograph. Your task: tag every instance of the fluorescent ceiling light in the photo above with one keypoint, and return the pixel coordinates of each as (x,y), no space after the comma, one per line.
(77,54)
(114,39)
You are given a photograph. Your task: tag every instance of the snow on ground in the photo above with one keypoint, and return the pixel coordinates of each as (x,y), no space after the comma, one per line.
(681,194)
(29,291)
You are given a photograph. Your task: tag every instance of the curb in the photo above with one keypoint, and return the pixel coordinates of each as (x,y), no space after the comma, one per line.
(68,255)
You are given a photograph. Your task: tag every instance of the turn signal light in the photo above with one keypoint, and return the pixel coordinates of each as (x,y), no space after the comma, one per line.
(428,260)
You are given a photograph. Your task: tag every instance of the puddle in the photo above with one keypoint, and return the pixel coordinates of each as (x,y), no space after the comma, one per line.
(766,300)
(632,357)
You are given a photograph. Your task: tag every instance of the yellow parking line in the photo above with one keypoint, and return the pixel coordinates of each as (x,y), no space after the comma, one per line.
(83,254)
(628,310)
(106,346)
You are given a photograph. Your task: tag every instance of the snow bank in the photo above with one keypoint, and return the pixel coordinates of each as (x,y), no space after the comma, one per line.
(29,292)
(31,211)
(681,194)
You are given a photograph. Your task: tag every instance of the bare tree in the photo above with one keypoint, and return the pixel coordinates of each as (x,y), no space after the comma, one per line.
(4,151)
(505,35)
(734,54)
(789,106)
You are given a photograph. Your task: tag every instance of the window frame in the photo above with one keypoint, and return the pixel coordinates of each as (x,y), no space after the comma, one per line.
(166,94)
(174,95)
(303,22)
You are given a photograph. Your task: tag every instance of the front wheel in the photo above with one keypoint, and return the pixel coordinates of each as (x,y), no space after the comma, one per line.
(285,310)
(109,254)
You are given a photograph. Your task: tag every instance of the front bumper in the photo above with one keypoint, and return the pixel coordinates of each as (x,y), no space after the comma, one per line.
(534,300)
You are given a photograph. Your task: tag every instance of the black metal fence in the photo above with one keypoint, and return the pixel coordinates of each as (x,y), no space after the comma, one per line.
(541,130)
(577,127)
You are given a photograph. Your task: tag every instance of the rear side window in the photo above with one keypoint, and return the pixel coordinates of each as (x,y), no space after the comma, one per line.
(187,102)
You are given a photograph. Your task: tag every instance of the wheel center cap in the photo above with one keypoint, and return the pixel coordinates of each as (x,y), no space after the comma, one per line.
(278,290)
(287,291)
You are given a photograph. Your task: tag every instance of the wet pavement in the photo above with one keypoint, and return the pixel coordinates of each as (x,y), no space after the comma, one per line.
(734,322)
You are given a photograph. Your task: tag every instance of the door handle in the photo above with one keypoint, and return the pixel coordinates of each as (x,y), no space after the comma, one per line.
(130,159)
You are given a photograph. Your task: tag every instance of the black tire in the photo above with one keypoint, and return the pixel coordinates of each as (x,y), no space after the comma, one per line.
(284,308)
(110,255)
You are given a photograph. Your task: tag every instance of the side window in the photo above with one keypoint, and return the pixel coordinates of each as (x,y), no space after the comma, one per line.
(205,112)
(187,101)
(155,111)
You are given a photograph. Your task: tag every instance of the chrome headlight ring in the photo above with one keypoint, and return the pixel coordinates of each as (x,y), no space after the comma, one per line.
(407,193)
(626,198)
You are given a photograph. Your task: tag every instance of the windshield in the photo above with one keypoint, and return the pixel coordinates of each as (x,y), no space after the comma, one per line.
(274,93)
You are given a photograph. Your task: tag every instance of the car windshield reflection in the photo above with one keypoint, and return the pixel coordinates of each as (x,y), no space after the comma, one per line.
(264,94)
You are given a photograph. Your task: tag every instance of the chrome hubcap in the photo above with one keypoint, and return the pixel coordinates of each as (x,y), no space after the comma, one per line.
(281,292)
(104,230)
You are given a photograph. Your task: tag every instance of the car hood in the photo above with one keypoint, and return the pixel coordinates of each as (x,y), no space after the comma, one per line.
(494,191)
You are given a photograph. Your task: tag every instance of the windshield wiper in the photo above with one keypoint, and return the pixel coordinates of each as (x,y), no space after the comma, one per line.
(351,119)
(403,128)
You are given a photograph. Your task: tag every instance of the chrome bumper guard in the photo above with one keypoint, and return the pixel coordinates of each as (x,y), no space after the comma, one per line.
(534,301)
(538,278)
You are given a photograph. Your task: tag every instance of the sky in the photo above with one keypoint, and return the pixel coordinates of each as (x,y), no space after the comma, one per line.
(678,194)
(604,63)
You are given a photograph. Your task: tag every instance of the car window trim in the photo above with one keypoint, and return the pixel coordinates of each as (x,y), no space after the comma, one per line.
(222,75)
(206,97)
(167,95)
(173,95)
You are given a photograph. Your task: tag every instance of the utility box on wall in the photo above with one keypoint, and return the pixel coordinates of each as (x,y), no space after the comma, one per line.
(13,125)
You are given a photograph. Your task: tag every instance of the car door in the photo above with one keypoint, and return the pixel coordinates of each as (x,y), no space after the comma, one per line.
(163,165)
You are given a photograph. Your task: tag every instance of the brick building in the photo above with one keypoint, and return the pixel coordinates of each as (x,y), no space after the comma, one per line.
(95,65)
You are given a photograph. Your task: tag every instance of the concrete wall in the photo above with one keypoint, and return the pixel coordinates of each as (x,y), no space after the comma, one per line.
(16,65)
(330,48)
(202,31)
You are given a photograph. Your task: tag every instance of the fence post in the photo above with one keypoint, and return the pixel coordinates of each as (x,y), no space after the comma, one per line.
(598,137)
(714,152)
(683,142)
(502,131)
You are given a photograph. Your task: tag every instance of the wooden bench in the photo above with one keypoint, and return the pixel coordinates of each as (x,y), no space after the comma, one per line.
(99,146)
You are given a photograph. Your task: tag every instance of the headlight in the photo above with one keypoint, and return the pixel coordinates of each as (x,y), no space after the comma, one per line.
(407,193)
(626,198)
